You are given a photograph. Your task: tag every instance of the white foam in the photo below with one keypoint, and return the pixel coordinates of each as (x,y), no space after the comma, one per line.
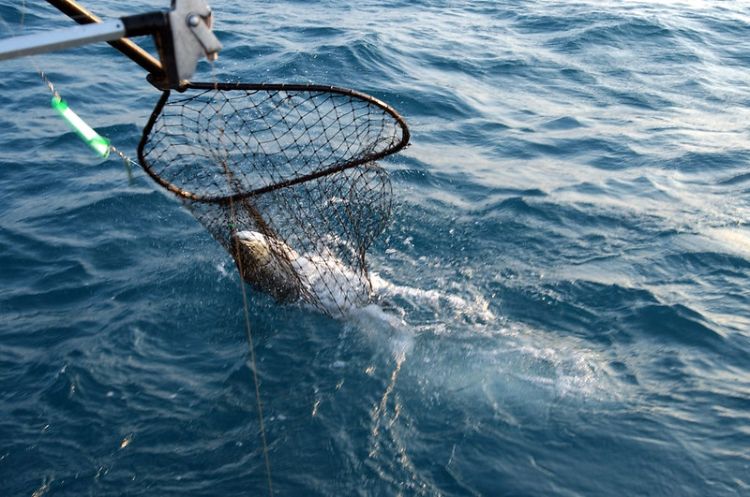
(476,309)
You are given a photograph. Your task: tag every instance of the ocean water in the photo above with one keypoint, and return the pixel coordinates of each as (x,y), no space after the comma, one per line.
(567,266)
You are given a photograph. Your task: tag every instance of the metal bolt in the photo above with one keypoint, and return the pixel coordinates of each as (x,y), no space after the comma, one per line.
(193,20)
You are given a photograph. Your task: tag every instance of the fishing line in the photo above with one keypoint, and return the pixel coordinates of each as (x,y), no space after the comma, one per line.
(246,312)
(101,145)
(256,381)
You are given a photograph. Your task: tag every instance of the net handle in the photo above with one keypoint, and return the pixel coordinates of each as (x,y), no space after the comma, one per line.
(81,15)
(225,199)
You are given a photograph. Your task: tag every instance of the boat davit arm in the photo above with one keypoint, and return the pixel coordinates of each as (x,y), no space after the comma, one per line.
(183,35)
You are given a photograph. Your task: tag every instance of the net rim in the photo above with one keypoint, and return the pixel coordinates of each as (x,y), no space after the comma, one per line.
(223,199)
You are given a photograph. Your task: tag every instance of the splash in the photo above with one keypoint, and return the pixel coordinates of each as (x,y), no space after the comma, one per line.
(476,310)
(383,327)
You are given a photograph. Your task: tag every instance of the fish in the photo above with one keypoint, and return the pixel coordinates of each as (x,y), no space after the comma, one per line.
(321,279)
(266,263)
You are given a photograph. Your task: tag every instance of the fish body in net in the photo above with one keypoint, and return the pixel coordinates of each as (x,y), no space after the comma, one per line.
(266,263)
(273,267)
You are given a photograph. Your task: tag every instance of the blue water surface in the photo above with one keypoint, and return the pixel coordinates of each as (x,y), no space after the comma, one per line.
(567,267)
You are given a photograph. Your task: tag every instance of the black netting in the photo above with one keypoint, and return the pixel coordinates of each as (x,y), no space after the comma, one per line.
(284,178)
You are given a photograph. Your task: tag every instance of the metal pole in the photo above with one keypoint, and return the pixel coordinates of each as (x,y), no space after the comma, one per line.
(135,53)
(60,38)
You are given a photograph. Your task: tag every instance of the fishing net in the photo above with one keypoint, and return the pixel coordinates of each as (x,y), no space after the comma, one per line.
(284,177)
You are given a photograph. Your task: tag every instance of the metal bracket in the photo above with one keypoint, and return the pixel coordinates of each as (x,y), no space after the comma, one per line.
(191,22)
(183,35)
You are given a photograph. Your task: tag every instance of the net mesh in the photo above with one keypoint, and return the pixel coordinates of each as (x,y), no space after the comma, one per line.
(284,177)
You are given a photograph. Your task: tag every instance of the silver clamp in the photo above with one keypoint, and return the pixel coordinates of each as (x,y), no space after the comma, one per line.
(191,23)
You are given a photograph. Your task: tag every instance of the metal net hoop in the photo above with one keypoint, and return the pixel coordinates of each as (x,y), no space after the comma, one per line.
(284,177)
(269,136)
